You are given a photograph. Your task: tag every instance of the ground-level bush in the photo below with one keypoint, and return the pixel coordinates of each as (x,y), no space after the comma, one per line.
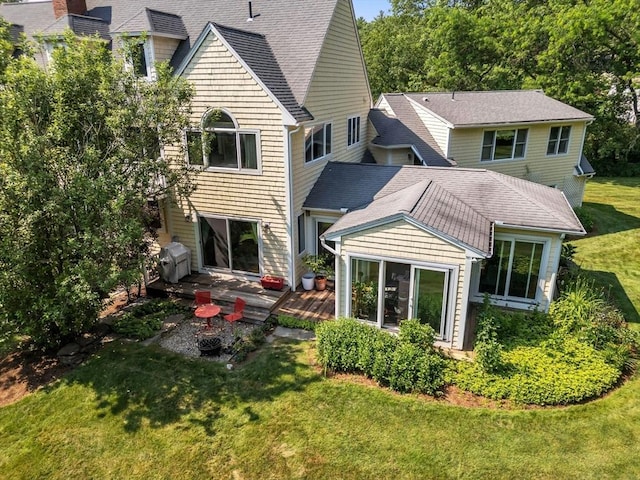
(143,320)
(406,363)
(543,375)
(293,322)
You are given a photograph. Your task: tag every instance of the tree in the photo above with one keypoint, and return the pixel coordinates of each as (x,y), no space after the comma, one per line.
(79,145)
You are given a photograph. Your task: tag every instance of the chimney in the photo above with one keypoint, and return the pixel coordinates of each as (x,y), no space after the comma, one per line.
(65,7)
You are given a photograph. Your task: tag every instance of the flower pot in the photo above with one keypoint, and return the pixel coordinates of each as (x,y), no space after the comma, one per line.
(321,283)
(307,280)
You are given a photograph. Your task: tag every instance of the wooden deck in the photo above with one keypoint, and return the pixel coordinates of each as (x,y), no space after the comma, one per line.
(309,305)
(261,303)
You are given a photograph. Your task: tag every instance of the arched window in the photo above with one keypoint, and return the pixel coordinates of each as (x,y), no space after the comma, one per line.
(219,143)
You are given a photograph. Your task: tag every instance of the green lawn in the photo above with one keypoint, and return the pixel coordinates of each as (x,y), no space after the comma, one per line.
(612,253)
(136,412)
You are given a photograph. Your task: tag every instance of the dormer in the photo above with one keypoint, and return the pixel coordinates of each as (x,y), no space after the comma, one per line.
(16,33)
(81,25)
(153,36)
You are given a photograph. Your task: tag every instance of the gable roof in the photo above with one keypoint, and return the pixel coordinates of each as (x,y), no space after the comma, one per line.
(402,126)
(460,204)
(294,30)
(470,109)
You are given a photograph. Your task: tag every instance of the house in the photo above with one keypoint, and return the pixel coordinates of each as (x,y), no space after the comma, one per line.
(281,125)
(427,242)
(522,133)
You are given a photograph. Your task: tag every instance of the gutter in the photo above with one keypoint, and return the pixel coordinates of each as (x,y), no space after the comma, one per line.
(540,229)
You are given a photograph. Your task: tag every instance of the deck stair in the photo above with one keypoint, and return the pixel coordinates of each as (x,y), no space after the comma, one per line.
(224,290)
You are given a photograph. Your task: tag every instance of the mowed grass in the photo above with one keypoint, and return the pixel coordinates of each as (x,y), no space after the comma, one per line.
(611,254)
(138,412)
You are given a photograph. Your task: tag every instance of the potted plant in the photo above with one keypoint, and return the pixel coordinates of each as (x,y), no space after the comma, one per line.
(321,268)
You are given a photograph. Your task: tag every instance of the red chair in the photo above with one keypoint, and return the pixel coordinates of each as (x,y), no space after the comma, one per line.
(203,297)
(238,311)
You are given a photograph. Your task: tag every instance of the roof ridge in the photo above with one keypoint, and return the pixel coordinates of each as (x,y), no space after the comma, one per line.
(247,32)
(470,207)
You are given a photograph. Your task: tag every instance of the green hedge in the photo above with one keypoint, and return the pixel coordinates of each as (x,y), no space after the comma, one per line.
(406,363)
(293,322)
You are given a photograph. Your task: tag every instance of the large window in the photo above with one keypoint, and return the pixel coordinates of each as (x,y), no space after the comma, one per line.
(317,143)
(230,244)
(353,131)
(514,269)
(558,140)
(504,144)
(221,144)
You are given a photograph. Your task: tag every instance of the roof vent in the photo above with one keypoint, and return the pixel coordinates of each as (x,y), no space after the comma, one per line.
(251,15)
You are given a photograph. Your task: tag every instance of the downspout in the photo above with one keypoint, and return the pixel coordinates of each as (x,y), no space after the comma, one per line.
(288,172)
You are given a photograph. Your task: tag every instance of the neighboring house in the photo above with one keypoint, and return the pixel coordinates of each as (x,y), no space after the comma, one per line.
(522,133)
(425,242)
(278,133)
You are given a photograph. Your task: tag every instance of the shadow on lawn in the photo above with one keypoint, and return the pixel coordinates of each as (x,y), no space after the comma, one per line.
(147,385)
(614,290)
(610,220)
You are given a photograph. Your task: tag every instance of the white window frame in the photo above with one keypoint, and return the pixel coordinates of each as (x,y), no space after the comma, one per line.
(309,134)
(513,148)
(149,57)
(301,226)
(353,131)
(452,279)
(558,140)
(518,302)
(238,132)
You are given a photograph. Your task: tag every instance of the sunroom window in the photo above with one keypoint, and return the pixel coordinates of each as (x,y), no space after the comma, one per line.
(513,271)
(220,143)
(504,144)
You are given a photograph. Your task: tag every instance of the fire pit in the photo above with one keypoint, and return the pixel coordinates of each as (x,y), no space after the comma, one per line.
(209,346)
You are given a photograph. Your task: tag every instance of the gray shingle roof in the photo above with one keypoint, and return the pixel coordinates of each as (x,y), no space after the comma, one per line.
(294,30)
(254,49)
(78,24)
(406,128)
(154,22)
(467,109)
(585,167)
(459,203)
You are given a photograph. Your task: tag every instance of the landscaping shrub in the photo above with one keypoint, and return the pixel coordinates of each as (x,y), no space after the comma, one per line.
(488,351)
(577,305)
(585,217)
(407,363)
(542,375)
(145,319)
(293,322)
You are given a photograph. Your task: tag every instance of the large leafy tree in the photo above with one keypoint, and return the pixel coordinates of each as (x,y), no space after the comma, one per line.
(583,52)
(79,159)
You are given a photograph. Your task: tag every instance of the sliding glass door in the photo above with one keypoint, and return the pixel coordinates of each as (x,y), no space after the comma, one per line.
(230,244)
(429,300)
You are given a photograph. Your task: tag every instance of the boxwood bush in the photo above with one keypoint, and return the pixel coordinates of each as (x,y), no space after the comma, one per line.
(406,363)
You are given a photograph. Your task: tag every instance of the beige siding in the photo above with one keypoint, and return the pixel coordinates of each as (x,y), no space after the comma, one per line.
(466,145)
(164,48)
(339,90)
(222,82)
(392,156)
(438,129)
(403,242)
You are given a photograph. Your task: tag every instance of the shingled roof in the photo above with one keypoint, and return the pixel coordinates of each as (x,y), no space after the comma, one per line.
(293,30)
(470,109)
(456,203)
(154,22)
(80,25)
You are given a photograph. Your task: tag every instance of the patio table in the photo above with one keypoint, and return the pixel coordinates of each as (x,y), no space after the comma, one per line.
(207,312)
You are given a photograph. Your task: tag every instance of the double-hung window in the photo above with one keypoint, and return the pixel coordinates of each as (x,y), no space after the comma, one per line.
(353,131)
(139,57)
(558,140)
(317,142)
(504,144)
(514,270)
(219,143)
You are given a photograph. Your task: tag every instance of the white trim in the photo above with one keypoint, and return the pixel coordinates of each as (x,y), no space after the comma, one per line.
(227,218)
(358,119)
(288,190)
(513,148)
(287,118)
(556,262)
(501,224)
(464,305)
(326,156)
(338,276)
(559,154)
